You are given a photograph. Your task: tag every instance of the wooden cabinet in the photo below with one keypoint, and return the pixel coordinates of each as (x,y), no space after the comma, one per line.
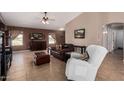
(37,45)
(2,26)
(2,53)
(5,57)
(5,51)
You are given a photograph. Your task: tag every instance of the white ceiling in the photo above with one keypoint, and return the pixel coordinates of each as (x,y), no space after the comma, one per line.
(33,19)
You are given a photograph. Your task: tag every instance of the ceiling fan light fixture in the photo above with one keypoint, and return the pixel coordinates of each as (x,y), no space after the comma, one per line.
(45,22)
(45,19)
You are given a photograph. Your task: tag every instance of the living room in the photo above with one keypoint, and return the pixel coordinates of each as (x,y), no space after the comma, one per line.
(73,32)
(71,46)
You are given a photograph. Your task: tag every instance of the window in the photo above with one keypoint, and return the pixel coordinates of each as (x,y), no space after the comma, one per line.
(52,39)
(18,40)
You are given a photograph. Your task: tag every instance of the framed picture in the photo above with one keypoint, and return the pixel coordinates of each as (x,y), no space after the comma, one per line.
(37,36)
(79,33)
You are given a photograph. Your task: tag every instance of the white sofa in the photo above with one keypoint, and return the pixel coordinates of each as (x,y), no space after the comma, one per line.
(77,69)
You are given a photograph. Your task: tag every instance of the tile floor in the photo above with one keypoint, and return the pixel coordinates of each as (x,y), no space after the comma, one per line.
(23,68)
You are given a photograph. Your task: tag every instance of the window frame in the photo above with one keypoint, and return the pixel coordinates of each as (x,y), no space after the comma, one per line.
(22,40)
(53,38)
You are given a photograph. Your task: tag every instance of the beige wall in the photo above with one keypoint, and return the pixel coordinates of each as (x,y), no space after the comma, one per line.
(115,17)
(93,23)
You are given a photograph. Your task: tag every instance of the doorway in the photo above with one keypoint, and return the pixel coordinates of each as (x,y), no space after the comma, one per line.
(113,38)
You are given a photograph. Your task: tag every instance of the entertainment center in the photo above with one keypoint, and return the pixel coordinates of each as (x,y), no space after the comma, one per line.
(37,42)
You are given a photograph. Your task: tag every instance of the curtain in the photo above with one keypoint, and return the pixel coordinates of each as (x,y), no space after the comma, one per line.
(15,33)
(53,36)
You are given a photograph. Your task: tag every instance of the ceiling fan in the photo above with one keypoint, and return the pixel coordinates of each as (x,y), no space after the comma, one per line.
(45,19)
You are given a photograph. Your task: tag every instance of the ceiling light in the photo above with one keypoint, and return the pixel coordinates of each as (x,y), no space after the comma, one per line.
(105,32)
(62,29)
(47,22)
(45,19)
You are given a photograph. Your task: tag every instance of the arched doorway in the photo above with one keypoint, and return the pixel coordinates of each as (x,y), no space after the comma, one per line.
(113,38)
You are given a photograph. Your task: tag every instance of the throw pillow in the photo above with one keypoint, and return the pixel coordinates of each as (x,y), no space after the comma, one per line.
(57,47)
(85,56)
(65,46)
(60,47)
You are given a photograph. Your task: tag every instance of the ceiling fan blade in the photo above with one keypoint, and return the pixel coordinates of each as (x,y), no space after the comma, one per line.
(51,19)
(43,13)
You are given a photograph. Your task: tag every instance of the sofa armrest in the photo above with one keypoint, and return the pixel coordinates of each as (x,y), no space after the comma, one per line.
(65,50)
(76,55)
(76,66)
(77,69)
(53,48)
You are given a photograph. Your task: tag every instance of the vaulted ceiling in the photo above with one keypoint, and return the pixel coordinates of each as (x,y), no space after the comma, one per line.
(33,19)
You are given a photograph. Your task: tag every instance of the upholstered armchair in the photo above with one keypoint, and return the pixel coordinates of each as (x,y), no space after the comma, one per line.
(80,70)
